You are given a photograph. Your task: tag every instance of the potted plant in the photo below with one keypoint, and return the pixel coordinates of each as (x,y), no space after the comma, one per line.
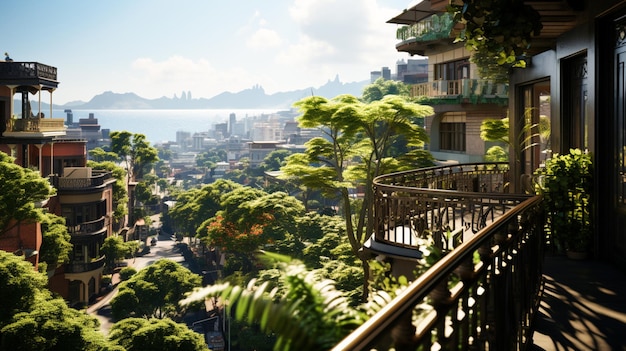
(565,183)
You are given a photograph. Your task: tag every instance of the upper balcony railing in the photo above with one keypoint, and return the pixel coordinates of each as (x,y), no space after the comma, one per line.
(27,71)
(89,228)
(97,179)
(432,28)
(483,293)
(462,90)
(80,267)
(36,124)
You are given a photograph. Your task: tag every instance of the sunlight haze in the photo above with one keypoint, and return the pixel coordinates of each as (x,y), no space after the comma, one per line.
(161,48)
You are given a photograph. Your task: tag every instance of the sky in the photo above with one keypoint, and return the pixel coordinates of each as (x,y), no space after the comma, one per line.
(158,48)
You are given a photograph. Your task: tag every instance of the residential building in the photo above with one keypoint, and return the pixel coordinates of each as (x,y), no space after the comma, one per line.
(460,98)
(486,293)
(84,196)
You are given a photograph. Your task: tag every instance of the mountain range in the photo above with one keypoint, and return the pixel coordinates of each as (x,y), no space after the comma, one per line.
(254,97)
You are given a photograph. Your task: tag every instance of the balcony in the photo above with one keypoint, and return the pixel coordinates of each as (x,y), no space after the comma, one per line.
(36,125)
(435,27)
(474,91)
(485,291)
(82,267)
(28,74)
(93,179)
(89,228)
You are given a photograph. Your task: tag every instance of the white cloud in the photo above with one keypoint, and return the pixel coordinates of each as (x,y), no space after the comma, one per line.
(264,38)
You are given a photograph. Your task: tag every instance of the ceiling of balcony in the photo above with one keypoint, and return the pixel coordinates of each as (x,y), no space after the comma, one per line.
(557,16)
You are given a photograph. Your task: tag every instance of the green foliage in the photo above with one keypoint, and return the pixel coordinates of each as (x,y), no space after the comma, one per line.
(274,160)
(382,87)
(115,249)
(138,334)
(55,245)
(155,291)
(31,319)
(496,154)
(135,151)
(21,285)
(127,272)
(308,314)
(20,189)
(497,28)
(566,185)
(52,325)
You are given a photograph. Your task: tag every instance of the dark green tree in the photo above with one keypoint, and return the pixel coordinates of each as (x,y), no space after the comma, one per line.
(357,147)
(135,151)
(20,189)
(154,292)
(383,87)
(138,334)
(55,246)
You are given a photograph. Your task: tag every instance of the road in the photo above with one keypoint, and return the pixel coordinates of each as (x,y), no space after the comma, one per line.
(164,248)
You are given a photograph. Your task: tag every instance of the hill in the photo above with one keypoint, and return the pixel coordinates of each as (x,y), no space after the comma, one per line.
(254,97)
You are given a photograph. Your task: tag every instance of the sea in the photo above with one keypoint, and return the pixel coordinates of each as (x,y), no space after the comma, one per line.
(161,125)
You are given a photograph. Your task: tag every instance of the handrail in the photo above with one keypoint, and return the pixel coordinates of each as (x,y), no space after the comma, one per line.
(492,305)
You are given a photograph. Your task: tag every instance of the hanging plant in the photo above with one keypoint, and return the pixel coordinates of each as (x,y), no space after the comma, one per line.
(497,29)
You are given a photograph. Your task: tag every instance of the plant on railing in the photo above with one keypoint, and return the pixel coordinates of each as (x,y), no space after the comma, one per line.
(565,183)
(497,28)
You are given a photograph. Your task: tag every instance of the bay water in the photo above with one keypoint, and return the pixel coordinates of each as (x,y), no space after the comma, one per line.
(161,125)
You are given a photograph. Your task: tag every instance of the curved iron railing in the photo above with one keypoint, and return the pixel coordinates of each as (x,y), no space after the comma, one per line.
(484,292)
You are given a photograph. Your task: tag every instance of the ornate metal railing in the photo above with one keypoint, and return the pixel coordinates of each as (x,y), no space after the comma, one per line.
(484,292)
(36,125)
(80,267)
(98,178)
(27,70)
(87,228)
(470,90)
(434,27)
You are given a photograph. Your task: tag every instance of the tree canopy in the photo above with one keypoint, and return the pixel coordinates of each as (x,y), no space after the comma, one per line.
(135,151)
(20,189)
(138,334)
(358,146)
(154,292)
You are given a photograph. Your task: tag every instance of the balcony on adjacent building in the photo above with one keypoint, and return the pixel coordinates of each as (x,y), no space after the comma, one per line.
(96,227)
(475,91)
(35,125)
(82,267)
(27,74)
(81,178)
(435,27)
(485,290)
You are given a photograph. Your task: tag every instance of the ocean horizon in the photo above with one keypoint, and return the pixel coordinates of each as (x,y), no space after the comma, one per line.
(161,125)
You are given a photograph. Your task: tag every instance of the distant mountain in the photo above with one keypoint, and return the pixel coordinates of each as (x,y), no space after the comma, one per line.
(254,97)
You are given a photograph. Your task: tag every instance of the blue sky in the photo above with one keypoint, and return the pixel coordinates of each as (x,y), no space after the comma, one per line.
(161,48)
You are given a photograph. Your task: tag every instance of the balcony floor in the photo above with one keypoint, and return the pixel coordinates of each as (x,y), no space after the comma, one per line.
(583,306)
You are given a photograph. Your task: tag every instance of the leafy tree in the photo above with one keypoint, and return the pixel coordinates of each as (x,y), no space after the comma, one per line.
(20,189)
(98,154)
(53,326)
(195,206)
(274,160)
(115,249)
(306,313)
(155,291)
(135,151)
(31,319)
(55,245)
(137,334)
(382,87)
(357,147)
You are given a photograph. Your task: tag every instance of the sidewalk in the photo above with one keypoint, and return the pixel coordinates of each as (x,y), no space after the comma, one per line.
(583,306)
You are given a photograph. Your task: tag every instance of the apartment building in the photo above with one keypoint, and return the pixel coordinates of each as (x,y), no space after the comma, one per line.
(84,196)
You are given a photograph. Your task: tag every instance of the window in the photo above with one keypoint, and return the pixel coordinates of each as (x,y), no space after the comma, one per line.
(452,132)
(452,70)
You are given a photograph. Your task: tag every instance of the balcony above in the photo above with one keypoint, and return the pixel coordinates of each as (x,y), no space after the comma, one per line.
(473,91)
(35,127)
(33,75)
(82,267)
(421,36)
(90,228)
(82,178)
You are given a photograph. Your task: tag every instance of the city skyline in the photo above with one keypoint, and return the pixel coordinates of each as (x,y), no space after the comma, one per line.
(155,48)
